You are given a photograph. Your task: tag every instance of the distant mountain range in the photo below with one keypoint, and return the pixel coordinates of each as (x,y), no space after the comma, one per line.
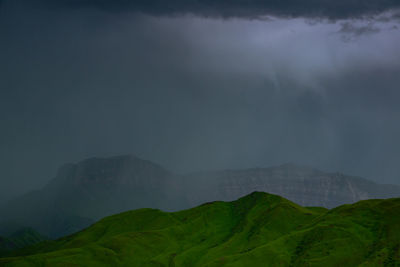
(89,190)
(94,188)
(303,185)
(257,230)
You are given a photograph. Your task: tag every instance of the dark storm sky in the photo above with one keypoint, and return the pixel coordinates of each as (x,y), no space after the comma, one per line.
(197,85)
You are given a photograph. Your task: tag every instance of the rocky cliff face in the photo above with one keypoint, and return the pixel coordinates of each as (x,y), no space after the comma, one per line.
(103,186)
(116,171)
(303,185)
(89,190)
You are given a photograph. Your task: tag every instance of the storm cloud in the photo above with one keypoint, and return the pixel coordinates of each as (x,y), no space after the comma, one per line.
(252,9)
(195,92)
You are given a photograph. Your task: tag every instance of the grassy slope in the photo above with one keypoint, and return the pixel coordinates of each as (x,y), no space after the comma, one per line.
(257,230)
(22,238)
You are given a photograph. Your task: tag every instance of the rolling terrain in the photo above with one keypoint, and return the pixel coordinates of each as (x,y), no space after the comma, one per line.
(259,229)
(89,190)
(19,239)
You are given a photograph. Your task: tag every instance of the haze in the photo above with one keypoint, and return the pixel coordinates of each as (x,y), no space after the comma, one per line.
(198,87)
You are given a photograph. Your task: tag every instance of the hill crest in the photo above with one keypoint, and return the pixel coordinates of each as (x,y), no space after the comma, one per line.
(258,229)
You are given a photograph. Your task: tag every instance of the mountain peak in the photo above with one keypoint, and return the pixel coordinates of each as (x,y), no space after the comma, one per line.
(259,229)
(296,167)
(123,169)
(257,197)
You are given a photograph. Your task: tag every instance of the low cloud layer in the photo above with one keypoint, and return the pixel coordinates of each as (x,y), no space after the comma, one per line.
(327,9)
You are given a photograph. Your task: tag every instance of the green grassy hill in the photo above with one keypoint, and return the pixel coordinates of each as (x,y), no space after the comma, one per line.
(19,239)
(257,230)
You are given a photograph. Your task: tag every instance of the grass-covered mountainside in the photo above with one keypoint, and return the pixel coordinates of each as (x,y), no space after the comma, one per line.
(87,191)
(19,239)
(257,230)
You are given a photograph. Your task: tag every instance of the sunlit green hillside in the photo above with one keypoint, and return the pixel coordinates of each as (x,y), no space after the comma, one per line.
(257,230)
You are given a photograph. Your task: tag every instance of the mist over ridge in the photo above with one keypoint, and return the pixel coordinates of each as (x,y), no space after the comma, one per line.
(84,192)
(315,84)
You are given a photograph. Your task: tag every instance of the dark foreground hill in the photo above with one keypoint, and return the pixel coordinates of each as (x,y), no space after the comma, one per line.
(84,192)
(19,239)
(257,230)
